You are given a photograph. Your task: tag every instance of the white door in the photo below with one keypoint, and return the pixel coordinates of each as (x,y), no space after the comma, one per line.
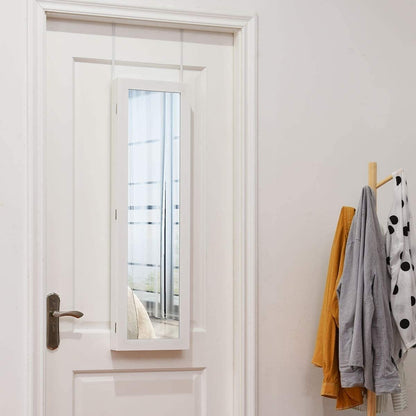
(83,376)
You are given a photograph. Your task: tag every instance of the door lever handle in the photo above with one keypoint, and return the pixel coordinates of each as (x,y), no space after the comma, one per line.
(75,314)
(52,319)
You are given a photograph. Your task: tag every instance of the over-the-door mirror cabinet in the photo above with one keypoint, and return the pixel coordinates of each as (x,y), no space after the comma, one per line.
(150,232)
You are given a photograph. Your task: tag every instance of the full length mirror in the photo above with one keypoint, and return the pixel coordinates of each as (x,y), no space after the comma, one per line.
(150,147)
(153,214)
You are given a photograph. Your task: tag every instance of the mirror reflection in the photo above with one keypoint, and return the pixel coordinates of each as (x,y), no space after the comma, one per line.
(153,214)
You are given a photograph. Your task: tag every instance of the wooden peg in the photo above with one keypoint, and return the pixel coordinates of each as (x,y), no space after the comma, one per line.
(372,182)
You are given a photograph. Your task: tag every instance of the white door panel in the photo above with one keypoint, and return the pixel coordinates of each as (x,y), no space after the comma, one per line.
(91,194)
(83,376)
(133,393)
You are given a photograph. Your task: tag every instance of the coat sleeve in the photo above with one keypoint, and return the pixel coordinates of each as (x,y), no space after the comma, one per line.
(326,337)
(326,349)
(333,267)
(350,292)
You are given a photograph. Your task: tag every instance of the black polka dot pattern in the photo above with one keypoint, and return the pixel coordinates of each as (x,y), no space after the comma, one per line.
(405,266)
(403,303)
(404,323)
(394,220)
(400,353)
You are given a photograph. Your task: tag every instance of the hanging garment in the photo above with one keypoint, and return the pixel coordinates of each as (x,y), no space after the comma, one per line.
(401,252)
(326,348)
(365,324)
(396,240)
(399,400)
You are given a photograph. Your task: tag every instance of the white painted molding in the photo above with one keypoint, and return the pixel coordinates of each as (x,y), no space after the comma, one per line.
(92,10)
(245,221)
(249,200)
(36,26)
(245,177)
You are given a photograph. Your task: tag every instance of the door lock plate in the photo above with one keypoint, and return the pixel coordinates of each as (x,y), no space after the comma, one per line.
(52,320)
(52,334)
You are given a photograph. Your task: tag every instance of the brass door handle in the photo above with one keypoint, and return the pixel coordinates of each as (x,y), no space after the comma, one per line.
(75,314)
(52,319)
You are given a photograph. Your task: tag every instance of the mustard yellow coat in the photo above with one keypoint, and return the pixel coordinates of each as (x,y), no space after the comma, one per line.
(326,347)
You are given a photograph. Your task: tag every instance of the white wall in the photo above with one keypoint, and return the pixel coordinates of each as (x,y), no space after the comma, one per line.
(336,90)
(12,209)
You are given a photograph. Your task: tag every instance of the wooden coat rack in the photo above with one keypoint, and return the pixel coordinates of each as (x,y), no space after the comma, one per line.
(372,182)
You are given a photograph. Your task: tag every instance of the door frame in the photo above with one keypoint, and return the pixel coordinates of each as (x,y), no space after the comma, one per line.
(244,28)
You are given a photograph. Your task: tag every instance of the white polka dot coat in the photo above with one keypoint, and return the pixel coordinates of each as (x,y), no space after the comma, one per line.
(401,251)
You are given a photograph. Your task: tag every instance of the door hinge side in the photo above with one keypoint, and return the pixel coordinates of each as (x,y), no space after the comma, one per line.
(115,214)
(115,327)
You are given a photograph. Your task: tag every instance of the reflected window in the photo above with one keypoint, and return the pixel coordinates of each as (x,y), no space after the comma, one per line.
(153,213)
